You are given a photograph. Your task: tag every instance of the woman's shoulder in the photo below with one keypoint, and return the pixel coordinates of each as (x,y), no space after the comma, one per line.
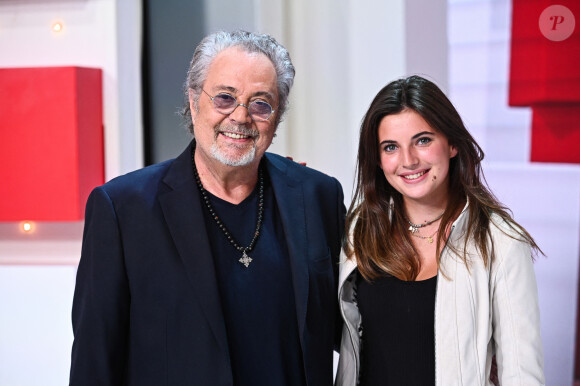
(509,243)
(505,228)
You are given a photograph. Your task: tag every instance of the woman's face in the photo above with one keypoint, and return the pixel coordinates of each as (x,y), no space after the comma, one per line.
(415,158)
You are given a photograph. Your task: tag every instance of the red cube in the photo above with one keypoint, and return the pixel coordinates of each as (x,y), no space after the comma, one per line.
(545,75)
(543,70)
(51,142)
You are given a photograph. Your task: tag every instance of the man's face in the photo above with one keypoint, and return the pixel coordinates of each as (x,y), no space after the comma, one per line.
(235,139)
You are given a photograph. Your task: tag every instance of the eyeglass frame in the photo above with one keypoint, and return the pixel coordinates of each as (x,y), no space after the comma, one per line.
(239,104)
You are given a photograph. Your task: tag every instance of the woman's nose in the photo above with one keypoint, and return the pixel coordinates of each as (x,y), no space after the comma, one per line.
(410,159)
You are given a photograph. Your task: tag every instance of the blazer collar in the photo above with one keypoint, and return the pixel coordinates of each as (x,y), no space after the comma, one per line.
(290,200)
(182,209)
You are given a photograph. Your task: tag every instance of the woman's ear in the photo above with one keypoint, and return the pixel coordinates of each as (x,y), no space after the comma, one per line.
(452,151)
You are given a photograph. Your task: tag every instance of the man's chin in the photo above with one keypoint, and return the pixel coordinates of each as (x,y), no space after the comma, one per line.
(244,159)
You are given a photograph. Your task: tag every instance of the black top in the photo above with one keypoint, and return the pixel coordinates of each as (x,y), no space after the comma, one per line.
(398,337)
(257,301)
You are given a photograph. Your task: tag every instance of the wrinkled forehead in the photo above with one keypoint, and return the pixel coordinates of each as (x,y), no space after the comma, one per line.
(238,69)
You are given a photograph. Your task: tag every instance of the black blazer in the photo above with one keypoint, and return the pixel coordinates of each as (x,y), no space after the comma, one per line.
(146,307)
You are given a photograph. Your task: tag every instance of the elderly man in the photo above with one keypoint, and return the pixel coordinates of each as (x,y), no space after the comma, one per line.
(217,267)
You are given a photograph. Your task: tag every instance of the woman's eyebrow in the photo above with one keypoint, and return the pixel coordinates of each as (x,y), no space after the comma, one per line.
(421,134)
(387,141)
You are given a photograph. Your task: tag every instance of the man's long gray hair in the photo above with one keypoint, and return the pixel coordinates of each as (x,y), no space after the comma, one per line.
(215,43)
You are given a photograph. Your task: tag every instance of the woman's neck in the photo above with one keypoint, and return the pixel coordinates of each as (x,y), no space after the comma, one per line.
(421,212)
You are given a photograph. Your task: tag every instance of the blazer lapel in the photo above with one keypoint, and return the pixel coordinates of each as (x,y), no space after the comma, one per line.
(290,200)
(182,209)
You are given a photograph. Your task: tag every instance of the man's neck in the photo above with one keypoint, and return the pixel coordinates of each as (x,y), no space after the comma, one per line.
(230,183)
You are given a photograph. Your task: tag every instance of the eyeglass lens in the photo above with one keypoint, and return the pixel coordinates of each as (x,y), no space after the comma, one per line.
(226,104)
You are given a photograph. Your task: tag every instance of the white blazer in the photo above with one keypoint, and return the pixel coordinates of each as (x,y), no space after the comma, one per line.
(479,312)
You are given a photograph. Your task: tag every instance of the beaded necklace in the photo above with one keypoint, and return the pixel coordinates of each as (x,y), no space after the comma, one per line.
(245,259)
(414,228)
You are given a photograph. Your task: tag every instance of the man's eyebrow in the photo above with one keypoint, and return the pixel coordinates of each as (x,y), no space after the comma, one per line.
(222,87)
(233,90)
(267,94)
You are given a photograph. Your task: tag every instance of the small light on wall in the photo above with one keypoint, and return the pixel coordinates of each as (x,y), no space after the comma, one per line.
(27,226)
(57,27)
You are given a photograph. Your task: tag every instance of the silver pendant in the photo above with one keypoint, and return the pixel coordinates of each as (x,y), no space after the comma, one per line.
(245,259)
(413,229)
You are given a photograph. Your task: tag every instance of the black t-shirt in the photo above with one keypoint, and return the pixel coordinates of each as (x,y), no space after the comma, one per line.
(398,337)
(257,301)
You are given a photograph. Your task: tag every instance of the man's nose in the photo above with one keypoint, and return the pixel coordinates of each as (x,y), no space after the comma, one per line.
(241,114)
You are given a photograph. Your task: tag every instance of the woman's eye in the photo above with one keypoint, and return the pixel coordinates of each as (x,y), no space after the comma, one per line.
(389,148)
(423,140)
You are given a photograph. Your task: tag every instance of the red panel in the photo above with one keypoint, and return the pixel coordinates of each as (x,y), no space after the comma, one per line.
(556,133)
(543,70)
(51,142)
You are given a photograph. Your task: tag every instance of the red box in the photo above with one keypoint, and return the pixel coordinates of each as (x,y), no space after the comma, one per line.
(555,133)
(51,142)
(544,70)
(545,75)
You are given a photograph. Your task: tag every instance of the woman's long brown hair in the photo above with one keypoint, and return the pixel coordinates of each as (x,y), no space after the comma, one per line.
(376,217)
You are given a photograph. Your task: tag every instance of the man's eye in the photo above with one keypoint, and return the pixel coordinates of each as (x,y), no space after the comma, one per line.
(261,107)
(224,99)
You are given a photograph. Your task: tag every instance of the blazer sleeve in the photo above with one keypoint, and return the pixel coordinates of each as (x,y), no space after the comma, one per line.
(341,215)
(100,312)
(516,315)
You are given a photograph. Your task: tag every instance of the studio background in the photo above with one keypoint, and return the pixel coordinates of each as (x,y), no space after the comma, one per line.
(344,51)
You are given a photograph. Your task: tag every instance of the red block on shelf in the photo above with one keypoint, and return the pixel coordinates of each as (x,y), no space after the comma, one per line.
(545,75)
(544,70)
(51,142)
(556,133)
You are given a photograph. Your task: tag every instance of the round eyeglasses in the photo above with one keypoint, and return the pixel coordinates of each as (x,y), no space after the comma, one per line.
(225,104)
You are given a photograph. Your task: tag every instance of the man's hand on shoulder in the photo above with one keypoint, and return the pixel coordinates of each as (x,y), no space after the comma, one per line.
(292,159)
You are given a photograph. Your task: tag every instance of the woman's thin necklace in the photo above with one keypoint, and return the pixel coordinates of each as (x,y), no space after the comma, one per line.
(245,259)
(428,238)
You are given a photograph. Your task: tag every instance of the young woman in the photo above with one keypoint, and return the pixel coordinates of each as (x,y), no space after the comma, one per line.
(437,279)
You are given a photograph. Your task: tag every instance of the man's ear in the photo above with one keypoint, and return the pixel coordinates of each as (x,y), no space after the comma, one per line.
(192,106)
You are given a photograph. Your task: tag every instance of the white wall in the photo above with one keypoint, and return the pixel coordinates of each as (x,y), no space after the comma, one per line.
(35,333)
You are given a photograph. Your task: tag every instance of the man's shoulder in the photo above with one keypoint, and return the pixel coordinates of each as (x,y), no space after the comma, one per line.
(138,180)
